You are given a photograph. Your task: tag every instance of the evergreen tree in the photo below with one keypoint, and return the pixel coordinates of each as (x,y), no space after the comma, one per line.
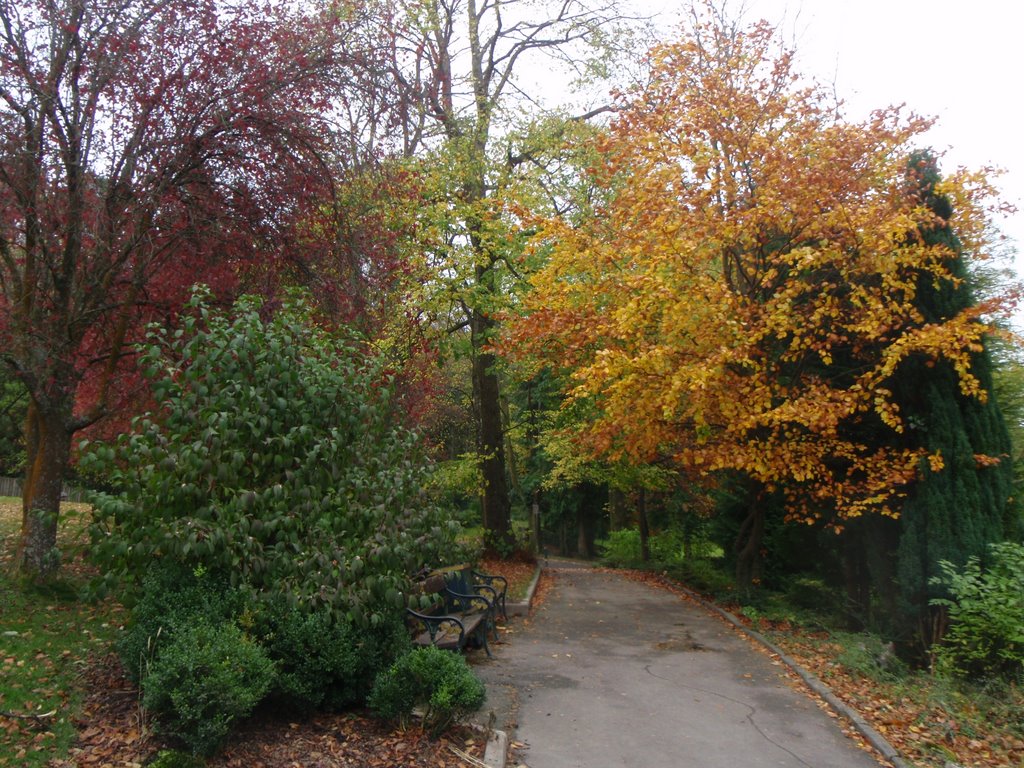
(952,513)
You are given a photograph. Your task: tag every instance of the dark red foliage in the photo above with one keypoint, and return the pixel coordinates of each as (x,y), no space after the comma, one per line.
(146,145)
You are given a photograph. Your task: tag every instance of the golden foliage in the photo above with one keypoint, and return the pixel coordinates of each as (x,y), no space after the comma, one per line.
(747,292)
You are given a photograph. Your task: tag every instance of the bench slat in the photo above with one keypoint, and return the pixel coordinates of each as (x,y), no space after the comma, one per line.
(450,623)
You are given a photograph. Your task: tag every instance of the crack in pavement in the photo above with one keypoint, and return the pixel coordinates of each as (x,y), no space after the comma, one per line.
(750,714)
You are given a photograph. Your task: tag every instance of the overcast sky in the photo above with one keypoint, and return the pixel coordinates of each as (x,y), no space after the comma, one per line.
(961,62)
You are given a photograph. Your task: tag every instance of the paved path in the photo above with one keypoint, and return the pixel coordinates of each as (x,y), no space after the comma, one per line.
(611,672)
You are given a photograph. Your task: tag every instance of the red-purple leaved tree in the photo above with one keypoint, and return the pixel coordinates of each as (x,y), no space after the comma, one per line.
(144,145)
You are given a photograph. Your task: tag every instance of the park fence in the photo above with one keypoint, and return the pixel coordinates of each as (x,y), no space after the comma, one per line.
(11,486)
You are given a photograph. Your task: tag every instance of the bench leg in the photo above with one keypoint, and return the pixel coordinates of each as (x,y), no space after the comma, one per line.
(486,649)
(481,635)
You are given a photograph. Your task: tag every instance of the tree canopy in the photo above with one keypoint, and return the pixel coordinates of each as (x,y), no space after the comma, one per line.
(145,144)
(717,281)
(745,297)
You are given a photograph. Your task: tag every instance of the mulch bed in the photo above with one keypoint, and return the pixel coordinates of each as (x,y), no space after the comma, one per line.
(113,731)
(114,734)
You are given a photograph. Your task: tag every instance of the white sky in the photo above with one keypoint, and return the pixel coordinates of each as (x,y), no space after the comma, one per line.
(960,61)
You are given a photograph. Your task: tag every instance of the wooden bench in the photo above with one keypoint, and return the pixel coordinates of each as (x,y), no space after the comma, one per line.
(463,610)
(497,583)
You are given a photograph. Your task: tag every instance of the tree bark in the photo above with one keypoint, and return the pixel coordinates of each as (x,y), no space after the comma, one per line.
(585,532)
(536,541)
(688,526)
(749,541)
(645,529)
(856,576)
(49,448)
(497,508)
(618,512)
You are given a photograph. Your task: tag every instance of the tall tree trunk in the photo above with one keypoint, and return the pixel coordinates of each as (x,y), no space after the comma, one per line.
(856,576)
(645,529)
(585,530)
(749,541)
(688,537)
(49,448)
(511,460)
(618,512)
(497,508)
(535,534)
(536,541)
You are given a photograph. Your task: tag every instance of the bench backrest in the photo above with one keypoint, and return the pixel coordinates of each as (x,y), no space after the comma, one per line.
(460,580)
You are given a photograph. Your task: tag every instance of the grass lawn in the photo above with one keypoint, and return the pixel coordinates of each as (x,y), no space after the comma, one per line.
(47,638)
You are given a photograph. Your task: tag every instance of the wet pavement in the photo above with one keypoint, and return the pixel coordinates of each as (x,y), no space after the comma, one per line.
(613,672)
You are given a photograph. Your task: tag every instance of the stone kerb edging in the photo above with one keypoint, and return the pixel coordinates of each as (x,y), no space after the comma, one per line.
(522,607)
(496,751)
(873,737)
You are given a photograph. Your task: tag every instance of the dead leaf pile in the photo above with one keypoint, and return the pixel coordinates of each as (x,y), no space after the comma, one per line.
(925,730)
(544,586)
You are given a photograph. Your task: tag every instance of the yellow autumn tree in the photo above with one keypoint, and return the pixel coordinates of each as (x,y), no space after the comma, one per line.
(745,296)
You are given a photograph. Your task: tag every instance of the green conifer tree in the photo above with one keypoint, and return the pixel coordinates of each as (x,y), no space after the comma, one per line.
(953,513)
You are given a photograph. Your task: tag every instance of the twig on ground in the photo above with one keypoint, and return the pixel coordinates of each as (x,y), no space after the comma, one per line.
(38,718)
(467,757)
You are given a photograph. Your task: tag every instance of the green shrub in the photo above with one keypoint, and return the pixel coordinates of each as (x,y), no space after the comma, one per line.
(324,662)
(986,634)
(207,678)
(813,595)
(667,547)
(172,597)
(621,549)
(438,681)
(170,758)
(704,575)
(278,457)
(870,657)
(515,546)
